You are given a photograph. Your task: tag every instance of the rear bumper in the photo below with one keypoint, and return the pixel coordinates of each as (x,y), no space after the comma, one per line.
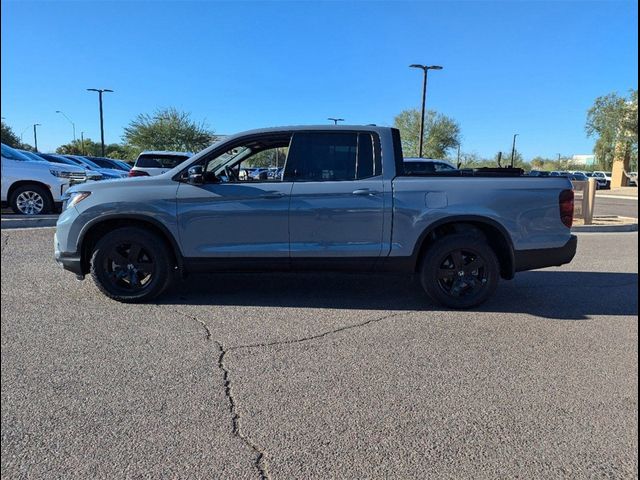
(545,257)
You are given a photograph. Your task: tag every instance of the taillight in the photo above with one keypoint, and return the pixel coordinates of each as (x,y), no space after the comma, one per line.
(138,173)
(566,207)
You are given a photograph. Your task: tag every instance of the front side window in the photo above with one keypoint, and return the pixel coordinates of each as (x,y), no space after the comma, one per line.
(258,159)
(332,156)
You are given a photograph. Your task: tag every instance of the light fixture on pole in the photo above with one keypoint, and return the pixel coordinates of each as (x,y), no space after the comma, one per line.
(425,69)
(73,125)
(100,92)
(336,120)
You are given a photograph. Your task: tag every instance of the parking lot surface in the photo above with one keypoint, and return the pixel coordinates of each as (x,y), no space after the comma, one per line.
(320,376)
(623,206)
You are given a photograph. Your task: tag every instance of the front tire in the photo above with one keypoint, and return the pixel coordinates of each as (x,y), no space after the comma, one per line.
(131,265)
(460,270)
(30,200)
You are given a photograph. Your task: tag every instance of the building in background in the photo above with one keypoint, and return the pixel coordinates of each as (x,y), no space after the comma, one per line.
(583,160)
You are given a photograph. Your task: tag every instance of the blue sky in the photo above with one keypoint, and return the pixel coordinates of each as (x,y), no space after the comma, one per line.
(532,68)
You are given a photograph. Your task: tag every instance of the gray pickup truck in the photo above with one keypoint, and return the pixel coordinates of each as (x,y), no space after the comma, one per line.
(340,201)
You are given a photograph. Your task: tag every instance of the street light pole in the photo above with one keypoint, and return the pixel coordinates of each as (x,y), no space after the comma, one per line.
(35,136)
(82,141)
(513,148)
(336,120)
(100,92)
(73,125)
(425,69)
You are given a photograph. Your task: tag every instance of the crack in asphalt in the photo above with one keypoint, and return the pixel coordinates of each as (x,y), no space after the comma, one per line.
(320,335)
(260,462)
(260,456)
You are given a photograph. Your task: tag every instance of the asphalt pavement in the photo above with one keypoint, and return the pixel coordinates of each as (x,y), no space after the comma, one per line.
(621,206)
(320,376)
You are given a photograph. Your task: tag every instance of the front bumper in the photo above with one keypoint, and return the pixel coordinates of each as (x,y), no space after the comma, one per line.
(546,257)
(70,261)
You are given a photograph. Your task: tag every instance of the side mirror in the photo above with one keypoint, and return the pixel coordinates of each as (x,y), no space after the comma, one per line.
(196,175)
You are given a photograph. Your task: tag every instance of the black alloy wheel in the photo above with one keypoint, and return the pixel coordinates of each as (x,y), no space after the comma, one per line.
(460,270)
(131,264)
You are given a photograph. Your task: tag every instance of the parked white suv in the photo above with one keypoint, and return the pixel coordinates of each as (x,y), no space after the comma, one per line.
(31,187)
(155,163)
(603,178)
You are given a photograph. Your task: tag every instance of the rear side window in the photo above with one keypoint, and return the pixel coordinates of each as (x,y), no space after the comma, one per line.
(159,160)
(331,156)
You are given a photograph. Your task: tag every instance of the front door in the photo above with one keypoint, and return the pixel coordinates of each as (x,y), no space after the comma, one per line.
(235,215)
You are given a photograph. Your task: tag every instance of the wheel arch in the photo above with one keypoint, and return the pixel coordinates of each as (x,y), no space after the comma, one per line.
(91,232)
(15,185)
(496,235)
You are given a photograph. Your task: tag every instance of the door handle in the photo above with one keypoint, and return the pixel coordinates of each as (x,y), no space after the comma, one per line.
(272,195)
(364,192)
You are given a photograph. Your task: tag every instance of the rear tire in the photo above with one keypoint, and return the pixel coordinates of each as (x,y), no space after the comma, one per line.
(131,265)
(31,200)
(460,270)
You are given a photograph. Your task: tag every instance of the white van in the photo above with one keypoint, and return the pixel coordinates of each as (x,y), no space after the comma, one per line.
(152,163)
(31,187)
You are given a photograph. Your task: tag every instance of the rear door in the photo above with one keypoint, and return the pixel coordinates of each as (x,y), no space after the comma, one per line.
(337,199)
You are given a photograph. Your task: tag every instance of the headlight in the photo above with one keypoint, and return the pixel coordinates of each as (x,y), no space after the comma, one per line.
(61,173)
(75,198)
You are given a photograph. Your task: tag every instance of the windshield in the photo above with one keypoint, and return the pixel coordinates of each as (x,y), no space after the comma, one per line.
(85,161)
(8,152)
(32,156)
(102,163)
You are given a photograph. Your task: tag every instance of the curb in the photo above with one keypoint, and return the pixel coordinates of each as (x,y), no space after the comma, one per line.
(627,227)
(19,221)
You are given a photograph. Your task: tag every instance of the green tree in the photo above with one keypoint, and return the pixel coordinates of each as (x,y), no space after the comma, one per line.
(474,160)
(168,129)
(537,163)
(505,161)
(122,152)
(613,118)
(79,147)
(441,133)
(8,137)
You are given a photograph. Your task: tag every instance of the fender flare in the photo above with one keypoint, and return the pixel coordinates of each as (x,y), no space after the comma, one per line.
(508,270)
(143,218)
